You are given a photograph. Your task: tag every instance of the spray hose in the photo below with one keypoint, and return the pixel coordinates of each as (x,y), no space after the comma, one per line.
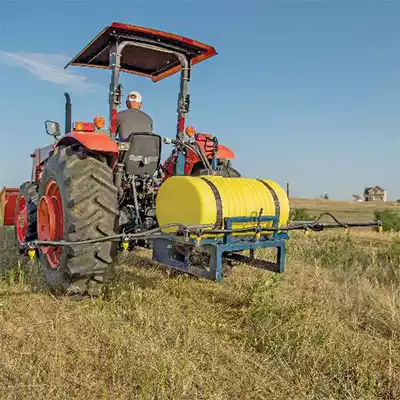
(150,234)
(298,227)
(187,230)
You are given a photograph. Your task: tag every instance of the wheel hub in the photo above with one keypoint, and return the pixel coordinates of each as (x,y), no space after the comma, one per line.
(50,222)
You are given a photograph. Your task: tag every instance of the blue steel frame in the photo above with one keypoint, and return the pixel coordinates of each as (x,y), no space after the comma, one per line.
(164,250)
(179,167)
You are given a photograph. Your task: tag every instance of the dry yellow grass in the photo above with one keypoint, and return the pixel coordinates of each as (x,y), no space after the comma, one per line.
(328,328)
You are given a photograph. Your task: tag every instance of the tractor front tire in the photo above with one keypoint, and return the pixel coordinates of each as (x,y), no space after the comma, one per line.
(226,170)
(78,189)
(25,213)
(229,172)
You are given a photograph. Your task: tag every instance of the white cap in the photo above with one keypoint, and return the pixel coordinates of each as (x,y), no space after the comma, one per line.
(134,96)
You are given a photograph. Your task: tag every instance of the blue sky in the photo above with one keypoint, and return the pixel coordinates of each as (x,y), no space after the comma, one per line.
(306,92)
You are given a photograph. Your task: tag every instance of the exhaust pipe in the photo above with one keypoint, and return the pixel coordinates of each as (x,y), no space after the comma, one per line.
(68,115)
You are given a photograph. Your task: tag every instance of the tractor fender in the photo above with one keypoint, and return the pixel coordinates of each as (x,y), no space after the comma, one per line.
(225,152)
(92,141)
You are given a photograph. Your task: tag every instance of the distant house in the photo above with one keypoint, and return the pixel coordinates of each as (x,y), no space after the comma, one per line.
(375,193)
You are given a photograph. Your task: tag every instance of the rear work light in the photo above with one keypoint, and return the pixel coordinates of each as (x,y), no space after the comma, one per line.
(99,122)
(84,127)
(190,131)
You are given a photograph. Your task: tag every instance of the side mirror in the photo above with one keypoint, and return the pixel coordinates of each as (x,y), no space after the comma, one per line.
(53,128)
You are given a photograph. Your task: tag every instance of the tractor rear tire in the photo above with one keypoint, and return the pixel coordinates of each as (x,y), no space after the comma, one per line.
(25,219)
(85,188)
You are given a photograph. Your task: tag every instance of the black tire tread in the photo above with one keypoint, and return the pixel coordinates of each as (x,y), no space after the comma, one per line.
(91,199)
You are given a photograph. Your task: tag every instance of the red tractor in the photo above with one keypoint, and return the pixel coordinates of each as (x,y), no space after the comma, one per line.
(88,185)
(194,163)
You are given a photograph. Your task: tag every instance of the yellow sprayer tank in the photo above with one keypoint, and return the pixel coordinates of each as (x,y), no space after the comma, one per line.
(189,200)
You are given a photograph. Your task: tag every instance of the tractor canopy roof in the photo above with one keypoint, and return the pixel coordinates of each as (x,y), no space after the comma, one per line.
(151,63)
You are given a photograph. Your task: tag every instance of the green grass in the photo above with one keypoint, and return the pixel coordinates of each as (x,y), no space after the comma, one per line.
(390,219)
(328,328)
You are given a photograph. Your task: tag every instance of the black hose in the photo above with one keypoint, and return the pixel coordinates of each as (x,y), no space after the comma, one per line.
(330,215)
(339,223)
(198,229)
(313,226)
(129,236)
(152,233)
(205,159)
(197,150)
(80,242)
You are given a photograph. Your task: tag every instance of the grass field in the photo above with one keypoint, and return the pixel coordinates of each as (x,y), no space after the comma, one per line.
(328,328)
(347,211)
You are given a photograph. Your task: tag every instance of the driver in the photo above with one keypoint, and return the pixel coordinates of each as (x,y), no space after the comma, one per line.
(133,119)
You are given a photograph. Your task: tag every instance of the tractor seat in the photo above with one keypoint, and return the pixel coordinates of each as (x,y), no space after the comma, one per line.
(124,140)
(143,155)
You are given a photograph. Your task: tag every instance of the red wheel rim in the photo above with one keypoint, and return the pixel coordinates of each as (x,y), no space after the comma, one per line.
(22,219)
(51,222)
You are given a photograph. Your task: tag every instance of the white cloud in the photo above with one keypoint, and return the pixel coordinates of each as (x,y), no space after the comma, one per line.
(47,67)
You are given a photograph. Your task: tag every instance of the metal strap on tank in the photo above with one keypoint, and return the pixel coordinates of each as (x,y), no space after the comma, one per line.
(218,201)
(276,201)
